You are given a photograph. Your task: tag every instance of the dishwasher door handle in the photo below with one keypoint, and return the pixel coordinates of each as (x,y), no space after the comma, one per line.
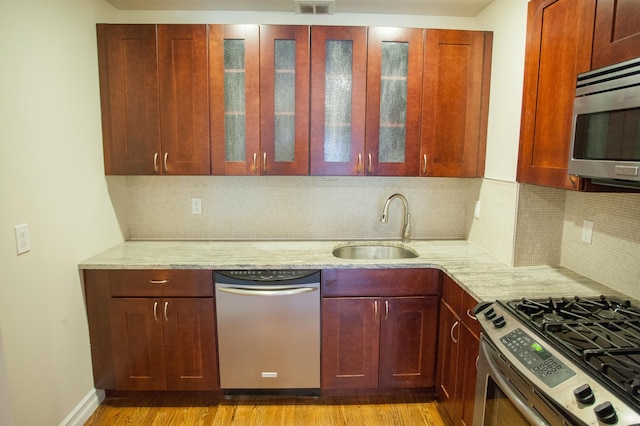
(280,292)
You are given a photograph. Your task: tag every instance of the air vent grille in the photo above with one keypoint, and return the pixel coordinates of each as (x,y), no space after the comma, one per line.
(314,7)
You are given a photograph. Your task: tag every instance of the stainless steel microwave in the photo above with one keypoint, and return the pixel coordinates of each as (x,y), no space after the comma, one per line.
(605,139)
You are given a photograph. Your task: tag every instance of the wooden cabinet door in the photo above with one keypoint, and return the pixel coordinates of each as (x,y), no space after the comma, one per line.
(394,86)
(137,343)
(338,100)
(234,81)
(189,343)
(446,381)
(409,327)
(455,102)
(350,336)
(129,98)
(558,48)
(469,346)
(184,100)
(616,36)
(284,99)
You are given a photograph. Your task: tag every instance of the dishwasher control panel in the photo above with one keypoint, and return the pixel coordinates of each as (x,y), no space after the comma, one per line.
(266,275)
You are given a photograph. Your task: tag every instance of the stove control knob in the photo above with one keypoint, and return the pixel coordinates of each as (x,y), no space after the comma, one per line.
(490,314)
(499,322)
(584,394)
(606,413)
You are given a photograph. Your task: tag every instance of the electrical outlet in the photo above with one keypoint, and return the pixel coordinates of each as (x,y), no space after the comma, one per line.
(476,210)
(196,205)
(23,244)
(587,231)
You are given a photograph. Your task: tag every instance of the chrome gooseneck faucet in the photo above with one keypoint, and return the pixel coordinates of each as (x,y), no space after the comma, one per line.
(406,226)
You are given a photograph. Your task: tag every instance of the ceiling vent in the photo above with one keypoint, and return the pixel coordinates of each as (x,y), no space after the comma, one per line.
(314,7)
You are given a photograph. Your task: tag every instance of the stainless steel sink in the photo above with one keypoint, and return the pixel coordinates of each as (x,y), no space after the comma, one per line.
(374,251)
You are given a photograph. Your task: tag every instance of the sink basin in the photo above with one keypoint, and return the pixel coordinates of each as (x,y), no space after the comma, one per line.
(374,251)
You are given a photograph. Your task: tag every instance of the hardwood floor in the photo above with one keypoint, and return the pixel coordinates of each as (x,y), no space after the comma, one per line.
(185,409)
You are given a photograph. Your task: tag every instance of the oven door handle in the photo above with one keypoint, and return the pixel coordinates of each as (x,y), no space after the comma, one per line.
(279,292)
(507,388)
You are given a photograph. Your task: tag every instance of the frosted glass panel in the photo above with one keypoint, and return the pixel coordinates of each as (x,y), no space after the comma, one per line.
(393,102)
(337,107)
(234,101)
(285,99)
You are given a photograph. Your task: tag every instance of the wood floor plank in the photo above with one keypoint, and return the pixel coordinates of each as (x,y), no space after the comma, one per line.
(267,411)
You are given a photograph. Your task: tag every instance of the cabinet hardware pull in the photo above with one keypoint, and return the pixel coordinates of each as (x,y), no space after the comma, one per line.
(424,168)
(386,309)
(158,281)
(370,169)
(155,162)
(477,359)
(255,161)
(359,166)
(155,311)
(455,324)
(470,315)
(264,162)
(375,309)
(573,182)
(164,162)
(166,305)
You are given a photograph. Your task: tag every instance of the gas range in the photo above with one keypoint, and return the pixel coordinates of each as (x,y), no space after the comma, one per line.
(583,353)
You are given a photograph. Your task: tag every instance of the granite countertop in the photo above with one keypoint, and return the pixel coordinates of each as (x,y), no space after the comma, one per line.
(480,273)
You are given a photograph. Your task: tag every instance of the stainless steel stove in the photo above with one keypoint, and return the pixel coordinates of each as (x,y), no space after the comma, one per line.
(565,361)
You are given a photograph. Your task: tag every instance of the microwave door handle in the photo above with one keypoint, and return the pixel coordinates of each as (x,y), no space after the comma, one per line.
(515,398)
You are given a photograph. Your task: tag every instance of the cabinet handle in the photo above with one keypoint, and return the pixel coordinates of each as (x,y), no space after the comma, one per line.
(155,162)
(424,168)
(375,309)
(470,315)
(255,162)
(166,305)
(573,182)
(155,311)
(158,281)
(359,166)
(455,324)
(370,168)
(264,162)
(386,309)
(164,162)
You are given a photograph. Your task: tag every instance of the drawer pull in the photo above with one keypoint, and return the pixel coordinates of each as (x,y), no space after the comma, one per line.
(158,281)
(470,315)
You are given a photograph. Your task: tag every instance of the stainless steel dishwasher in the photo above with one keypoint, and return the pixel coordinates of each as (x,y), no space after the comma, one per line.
(268,329)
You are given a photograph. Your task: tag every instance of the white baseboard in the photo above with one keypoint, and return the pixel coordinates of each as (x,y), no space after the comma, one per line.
(84,409)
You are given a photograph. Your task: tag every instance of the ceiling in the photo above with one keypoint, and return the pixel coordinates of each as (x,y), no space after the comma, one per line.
(465,8)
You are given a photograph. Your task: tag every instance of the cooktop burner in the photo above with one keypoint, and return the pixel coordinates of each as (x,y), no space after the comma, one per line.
(602,334)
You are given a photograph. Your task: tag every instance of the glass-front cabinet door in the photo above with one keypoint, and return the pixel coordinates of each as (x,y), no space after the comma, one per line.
(234,82)
(284,100)
(394,90)
(338,100)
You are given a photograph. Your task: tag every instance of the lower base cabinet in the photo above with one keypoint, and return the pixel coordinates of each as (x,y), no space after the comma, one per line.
(457,354)
(379,329)
(152,330)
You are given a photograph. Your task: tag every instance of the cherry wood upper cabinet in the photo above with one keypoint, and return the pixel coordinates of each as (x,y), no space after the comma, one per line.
(617,32)
(558,48)
(129,98)
(153,82)
(455,99)
(338,100)
(394,86)
(234,81)
(184,100)
(284,99)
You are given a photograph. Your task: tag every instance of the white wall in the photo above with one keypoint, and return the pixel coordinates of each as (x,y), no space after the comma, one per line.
(52,179)
(508,21)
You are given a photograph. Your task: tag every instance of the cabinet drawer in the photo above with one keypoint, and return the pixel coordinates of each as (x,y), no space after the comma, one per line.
(160,283)
(468,303)
(380,282)
(452,293)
